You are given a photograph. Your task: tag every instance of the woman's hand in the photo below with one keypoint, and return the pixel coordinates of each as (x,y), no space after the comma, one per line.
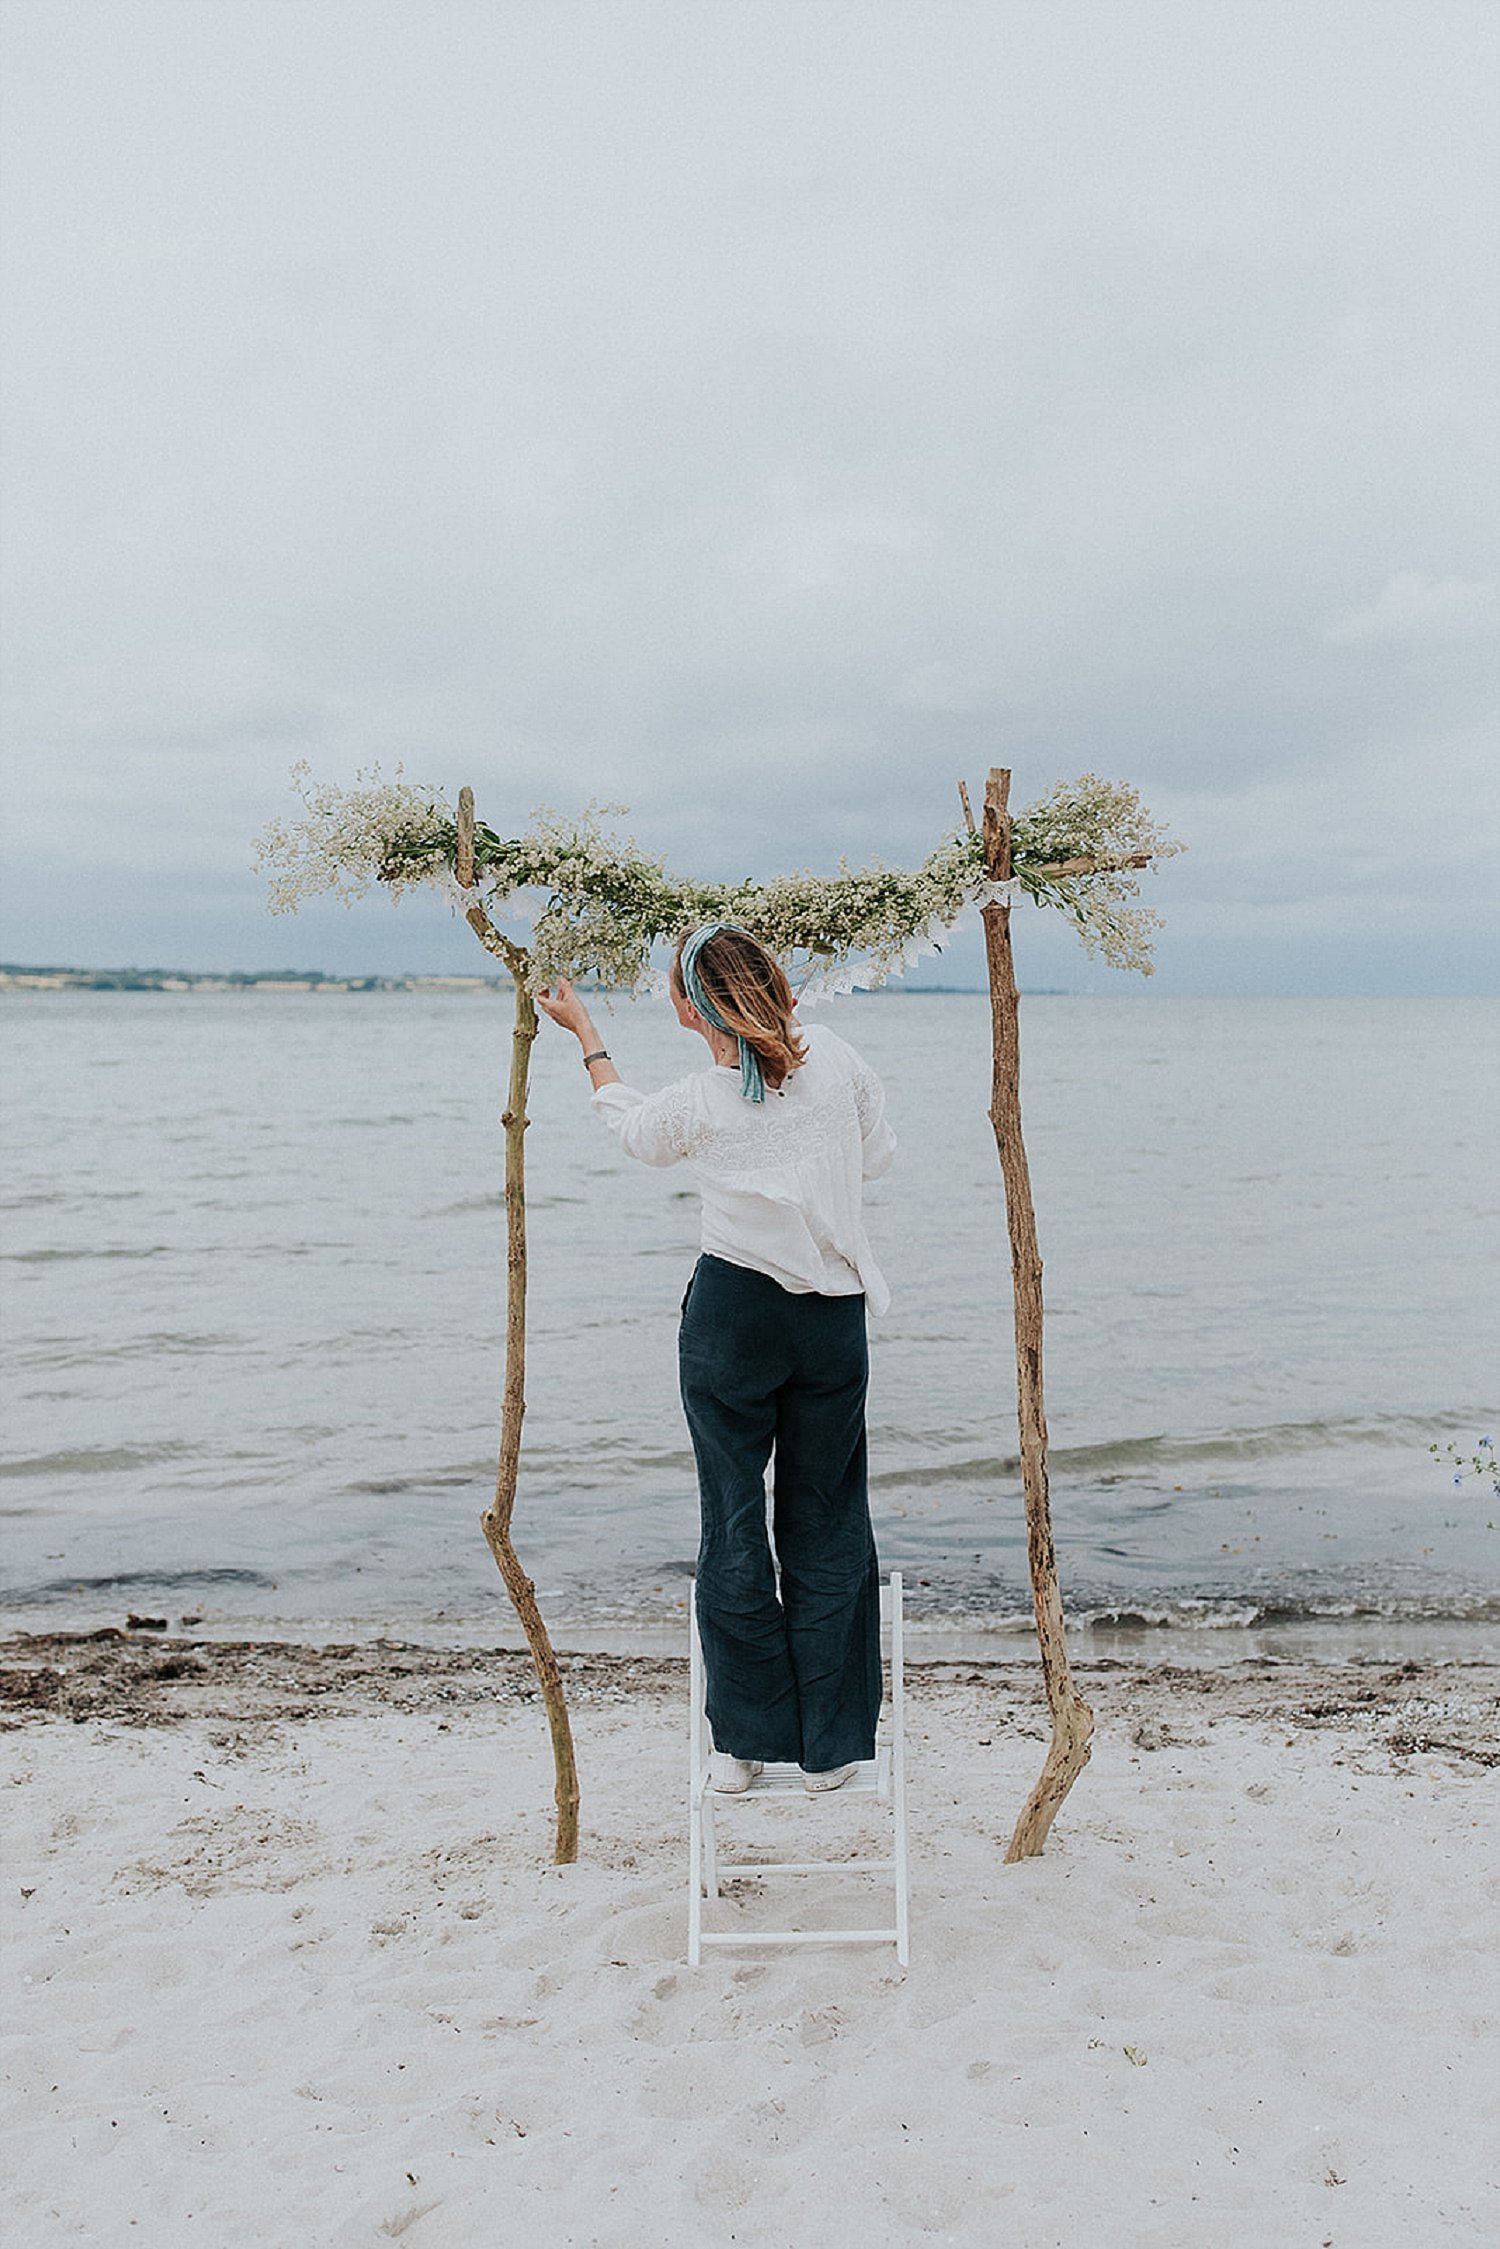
(568,1011)
(565,1008)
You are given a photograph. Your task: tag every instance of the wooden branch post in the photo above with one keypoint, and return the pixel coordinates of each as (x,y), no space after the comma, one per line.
(1072,1719)
(496,1520)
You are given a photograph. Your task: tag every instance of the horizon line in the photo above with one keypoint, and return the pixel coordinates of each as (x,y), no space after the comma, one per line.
(53,976)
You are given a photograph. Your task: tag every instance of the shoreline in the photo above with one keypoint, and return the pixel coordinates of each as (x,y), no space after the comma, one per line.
(112,1677)
(1136,1637)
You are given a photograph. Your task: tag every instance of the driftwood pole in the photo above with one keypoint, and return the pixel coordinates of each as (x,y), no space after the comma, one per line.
(496,1519)
(1072,1719)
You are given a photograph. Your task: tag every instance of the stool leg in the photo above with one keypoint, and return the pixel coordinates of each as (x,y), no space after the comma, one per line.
(710,1848)
(898,1766)
(695,1787)
(695,1882)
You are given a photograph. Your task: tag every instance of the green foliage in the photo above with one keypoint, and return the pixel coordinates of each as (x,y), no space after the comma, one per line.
(604,902)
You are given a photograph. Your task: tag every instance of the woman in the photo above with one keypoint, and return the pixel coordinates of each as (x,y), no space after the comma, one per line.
(781,1130)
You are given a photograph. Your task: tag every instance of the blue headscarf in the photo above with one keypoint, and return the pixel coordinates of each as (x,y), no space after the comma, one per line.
(752,1084)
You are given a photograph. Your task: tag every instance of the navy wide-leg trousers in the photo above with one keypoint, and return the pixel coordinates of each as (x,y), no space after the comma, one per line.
(765,1372)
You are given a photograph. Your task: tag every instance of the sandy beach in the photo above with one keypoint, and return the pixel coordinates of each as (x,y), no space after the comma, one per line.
(286,1963)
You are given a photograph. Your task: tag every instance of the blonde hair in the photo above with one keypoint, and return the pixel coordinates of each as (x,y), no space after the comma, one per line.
(748,987)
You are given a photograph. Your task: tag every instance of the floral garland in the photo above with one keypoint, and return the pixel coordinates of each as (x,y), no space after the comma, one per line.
(605,903)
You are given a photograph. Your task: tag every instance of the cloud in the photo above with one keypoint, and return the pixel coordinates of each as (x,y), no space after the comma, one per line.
(1411,608)
(763,417)
(945,687)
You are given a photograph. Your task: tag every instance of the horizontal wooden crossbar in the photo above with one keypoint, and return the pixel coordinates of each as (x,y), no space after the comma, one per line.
(1096,863)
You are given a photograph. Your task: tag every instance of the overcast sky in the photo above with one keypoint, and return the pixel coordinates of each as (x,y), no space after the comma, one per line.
(761,412)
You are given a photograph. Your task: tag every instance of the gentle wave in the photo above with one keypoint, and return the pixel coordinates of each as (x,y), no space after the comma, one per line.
(1232,1613)
(96,1460)
(80,1256)
(388,1487)
(70,1197)
(1007,1612)
(55,1352)
(582,1465)
(1262,1441)
(121,1581)
(1008,1615)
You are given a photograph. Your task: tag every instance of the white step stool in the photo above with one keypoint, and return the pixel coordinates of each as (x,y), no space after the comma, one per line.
(882,1776)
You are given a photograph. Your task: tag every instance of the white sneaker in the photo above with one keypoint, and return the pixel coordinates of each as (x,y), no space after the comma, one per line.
(818,1784)
(731,1776)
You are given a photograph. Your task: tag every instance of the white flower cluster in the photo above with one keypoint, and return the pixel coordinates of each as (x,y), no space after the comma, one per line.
(1091,818)
(597,903)
(350,837)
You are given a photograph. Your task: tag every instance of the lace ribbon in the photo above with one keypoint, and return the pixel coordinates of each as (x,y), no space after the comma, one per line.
(514,908)
(823,980)
(453,890)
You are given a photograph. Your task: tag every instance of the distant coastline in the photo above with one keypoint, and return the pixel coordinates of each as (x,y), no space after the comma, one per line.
(19,977)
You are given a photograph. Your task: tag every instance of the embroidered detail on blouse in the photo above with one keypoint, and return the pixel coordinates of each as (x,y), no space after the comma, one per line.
(676,1124)
(773,1140)
(869,1099)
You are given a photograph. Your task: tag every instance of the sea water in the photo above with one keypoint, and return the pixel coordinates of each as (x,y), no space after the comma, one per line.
(254,1288)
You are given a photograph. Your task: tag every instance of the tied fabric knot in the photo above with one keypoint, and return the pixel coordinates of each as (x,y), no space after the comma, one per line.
(1000,893)
(752,1083)
(455,893)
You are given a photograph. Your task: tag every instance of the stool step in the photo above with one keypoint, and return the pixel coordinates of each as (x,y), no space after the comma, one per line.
(801,1936)
(786,1780)
(808,1866)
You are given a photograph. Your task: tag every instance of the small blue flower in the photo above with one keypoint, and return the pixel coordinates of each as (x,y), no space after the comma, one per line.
(1458,1479)
(1487,1441)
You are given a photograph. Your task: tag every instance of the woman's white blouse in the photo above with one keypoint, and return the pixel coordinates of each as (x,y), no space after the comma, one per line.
(781,1179)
